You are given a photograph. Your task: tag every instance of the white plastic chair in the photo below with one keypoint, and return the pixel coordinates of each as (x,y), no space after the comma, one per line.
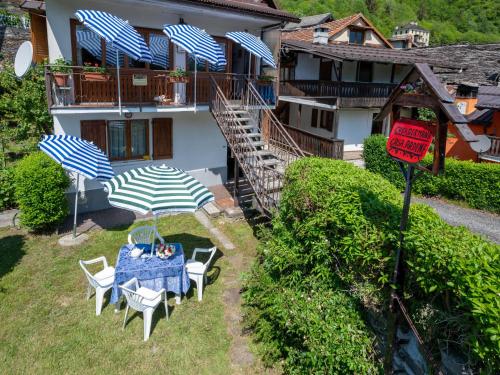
(197,271)
(145,235)
(102,281)
(143,300)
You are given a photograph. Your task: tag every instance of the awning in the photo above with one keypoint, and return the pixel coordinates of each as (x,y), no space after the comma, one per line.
(253,45)
(321,103)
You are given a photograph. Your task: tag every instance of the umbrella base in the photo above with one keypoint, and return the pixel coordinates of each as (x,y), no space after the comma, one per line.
(68,240)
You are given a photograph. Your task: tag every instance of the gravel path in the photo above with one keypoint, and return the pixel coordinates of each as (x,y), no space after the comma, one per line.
(481,222)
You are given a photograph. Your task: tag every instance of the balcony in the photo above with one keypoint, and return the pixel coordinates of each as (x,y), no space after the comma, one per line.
(349,94)
(139,88)
(493,154)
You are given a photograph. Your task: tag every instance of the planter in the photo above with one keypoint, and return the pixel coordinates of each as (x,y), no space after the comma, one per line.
(178,79)
(264,83)
(94,76)
(61,79)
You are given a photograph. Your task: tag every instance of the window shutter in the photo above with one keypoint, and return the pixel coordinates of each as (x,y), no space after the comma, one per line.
(39,38)
(94,131)
(162,138)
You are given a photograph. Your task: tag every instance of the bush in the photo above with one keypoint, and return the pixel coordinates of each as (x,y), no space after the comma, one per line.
(477,184)
(336,232)
(7,189)
(40,192)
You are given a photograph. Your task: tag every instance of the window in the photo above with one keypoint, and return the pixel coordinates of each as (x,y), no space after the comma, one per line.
(129,139)
(89,48)
(204,66)
(326,121)
(365,71)
(356,37)
(314,118)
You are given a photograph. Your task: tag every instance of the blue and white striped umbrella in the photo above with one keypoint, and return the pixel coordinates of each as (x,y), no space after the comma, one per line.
(196,42)
(116,31)
(80,156)
(253,45)
(77,155)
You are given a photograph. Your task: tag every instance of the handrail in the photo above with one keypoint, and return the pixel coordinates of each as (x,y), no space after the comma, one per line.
(495,146)
(336,89)
(257,106)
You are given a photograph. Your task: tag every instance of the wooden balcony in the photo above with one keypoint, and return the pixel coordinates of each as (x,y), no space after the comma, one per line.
(493,154)
(80,91)
(315,145)
(349,94)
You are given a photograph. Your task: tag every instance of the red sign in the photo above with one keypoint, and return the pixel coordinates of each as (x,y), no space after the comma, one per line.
(409,140)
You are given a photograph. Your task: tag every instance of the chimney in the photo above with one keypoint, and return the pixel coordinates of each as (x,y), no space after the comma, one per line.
(320,35)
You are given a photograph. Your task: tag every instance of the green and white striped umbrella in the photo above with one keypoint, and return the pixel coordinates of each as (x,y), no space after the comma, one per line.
(157,189)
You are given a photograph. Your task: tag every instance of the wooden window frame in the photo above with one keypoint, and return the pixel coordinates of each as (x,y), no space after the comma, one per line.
(144,31)
(357,30)
(314,118)
(324,122)
(128,140)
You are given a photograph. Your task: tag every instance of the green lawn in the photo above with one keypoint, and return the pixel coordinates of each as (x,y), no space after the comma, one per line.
(48,327)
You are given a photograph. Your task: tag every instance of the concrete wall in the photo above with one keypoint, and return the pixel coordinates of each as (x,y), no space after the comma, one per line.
(349,71)
(382,73)
(305,121)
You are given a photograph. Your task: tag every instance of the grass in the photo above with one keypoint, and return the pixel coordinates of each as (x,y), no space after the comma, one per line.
(47,326)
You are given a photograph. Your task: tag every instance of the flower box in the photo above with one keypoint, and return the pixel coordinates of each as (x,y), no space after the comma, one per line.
(178,79)
(95,76)
(61,79)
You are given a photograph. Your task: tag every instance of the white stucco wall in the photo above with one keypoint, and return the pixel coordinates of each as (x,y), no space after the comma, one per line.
(215,22)
(305,121)
(372,39)
(354,126)
(307,67)
(349,71)
(340,37)
(198,144)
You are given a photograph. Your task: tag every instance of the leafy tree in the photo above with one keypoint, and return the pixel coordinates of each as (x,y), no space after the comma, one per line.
(24,114)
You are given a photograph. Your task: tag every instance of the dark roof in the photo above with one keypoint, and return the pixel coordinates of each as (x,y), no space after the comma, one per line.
(480,117)
(309,21)
(488,97)
(413,26)
(261,8)
(480,62)
(363,53)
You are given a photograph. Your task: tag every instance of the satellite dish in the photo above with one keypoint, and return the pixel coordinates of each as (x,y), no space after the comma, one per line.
(483,144)
(24,59)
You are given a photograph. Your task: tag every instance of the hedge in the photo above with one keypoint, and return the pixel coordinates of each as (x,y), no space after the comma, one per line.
(7,189)
(334,238)
(40,192)
(478,184)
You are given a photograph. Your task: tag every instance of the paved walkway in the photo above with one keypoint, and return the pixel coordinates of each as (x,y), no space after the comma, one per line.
(477,221)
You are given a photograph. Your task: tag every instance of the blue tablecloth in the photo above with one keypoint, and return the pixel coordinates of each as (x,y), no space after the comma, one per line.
(153,273)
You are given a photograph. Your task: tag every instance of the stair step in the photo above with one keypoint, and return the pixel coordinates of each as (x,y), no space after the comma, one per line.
(269,162)
(248,135)
(236,112)
(260,153)
(246,127)
(257,143)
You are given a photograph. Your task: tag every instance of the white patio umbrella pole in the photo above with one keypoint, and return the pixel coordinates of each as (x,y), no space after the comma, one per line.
(195,81)
(118,79)
(76,204)
(249,72)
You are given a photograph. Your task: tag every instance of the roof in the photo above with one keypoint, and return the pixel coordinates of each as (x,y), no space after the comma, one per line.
(480,62)
(352,52)
(413,26)
(265,8)
(480,117)
(488,97)
(309,21)
(335,26)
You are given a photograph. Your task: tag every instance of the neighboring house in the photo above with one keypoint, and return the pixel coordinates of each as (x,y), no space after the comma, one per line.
(410,35)
(480,69)
(335,77)
(151,129)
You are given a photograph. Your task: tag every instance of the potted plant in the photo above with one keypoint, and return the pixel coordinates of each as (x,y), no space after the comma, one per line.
(265,80)
(178,75)
(61,70)
(95,72)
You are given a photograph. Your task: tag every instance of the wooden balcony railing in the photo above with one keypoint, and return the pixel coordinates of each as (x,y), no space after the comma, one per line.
(315,145)
(78,90)
(336,89)
(494,150)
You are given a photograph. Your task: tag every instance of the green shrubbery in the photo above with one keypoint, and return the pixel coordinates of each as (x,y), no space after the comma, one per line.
(40,192)
(330,251)
(7,189)
(478,184)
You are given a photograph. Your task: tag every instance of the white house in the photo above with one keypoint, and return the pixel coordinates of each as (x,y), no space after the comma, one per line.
(158,122)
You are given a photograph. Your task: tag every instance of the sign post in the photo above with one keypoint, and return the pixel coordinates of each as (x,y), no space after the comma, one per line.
(408,143)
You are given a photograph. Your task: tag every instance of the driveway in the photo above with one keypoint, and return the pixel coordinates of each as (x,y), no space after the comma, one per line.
(477,221)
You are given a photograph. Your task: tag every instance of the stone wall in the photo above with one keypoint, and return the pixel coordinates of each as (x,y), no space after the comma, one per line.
(10,40)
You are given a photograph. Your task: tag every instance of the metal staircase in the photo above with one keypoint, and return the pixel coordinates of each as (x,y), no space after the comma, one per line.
(259,143)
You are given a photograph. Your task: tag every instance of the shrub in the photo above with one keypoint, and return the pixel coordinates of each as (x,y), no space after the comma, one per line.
(40,192)
(7,189)
(336,232)
(478,184)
